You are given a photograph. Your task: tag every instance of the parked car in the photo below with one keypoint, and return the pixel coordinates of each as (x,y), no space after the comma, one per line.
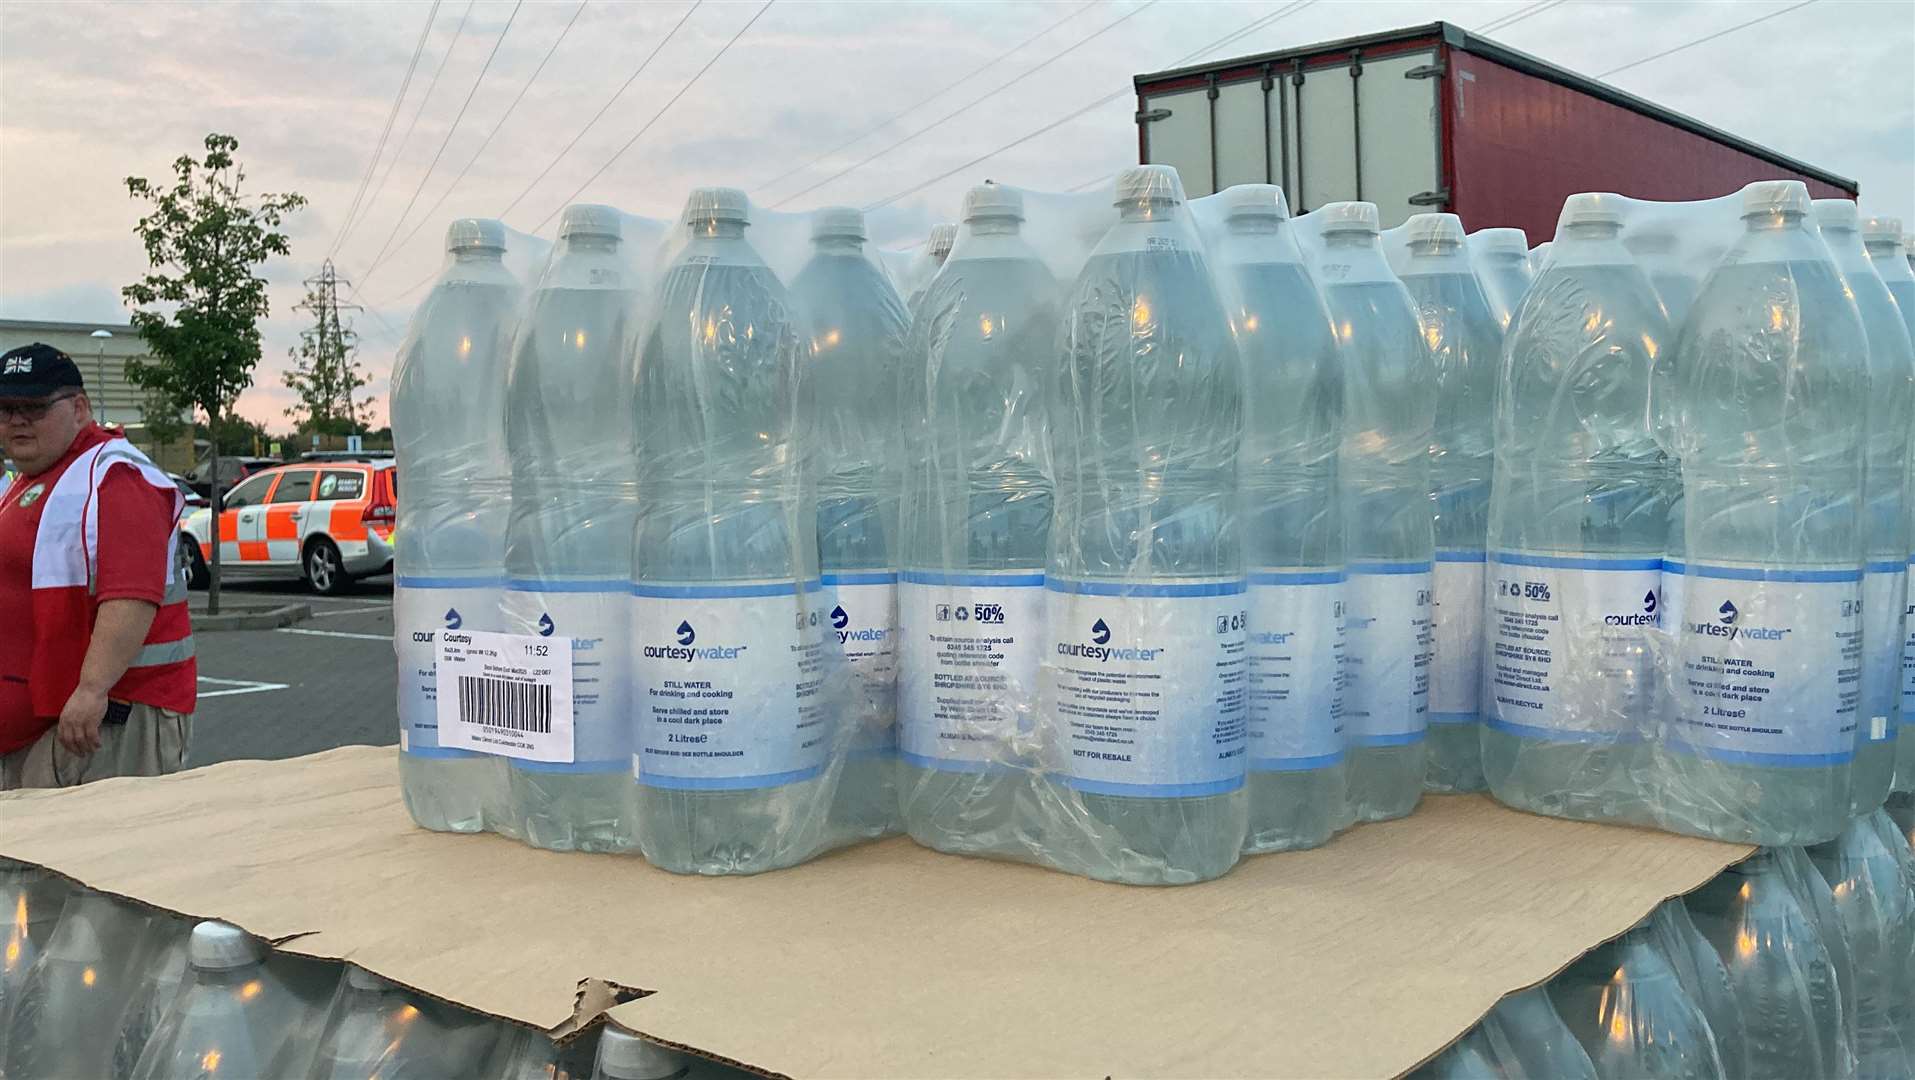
(232,470)
(327,523)
(194,500)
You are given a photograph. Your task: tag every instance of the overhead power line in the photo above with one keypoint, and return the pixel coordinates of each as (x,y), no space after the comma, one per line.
(391,115)
(1518,16)
(1706,38)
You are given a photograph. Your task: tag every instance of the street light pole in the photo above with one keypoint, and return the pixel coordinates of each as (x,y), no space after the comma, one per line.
(99,369)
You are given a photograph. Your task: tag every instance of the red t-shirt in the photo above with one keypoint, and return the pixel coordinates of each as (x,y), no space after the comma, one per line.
(135,518)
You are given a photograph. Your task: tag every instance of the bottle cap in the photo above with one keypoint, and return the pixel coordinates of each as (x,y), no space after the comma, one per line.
(1650,240)
(1501,241)
(589,219)
(1838,214)
(624,1056)
(1434,229)
(993,200)
(360,979)
(1149,183)
(475,234)
(1591,208)
(1349,217)
(837,222)
(942,237)
(717,204)
(1881,230)
(1256,201)
(1775,197)
(217,946)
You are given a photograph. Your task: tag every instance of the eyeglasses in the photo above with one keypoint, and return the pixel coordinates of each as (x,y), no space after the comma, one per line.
(32,411)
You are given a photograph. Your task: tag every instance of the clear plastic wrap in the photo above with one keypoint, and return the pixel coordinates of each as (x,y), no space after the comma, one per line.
(158,983)
(1529,1040)
(238,1012)
(1705,979)
(925,263)
(1882,239)
(1468,1058)
(375,1029)
(1501,257)
(1873,901)
(524,1054)
(624,1056)
(30,903)
(1624,1003)
(65,1018)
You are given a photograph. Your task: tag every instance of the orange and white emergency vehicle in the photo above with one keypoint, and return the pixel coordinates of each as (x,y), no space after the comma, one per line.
(326,522)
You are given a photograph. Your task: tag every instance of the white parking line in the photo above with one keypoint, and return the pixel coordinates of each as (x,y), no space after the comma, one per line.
(350,611)
(334,633)
(237,686)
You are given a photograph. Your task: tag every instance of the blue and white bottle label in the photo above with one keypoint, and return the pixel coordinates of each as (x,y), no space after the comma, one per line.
(1144,686)
(1386,692)
(1908,651)
(861,656)
(1884,633)
(1572,652)
(421,608)
(969,647)
(728,681)
(1771,664)
(594,616)
(1456,624)
(1295,703)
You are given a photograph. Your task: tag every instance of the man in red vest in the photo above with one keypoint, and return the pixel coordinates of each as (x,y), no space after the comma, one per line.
(97,673)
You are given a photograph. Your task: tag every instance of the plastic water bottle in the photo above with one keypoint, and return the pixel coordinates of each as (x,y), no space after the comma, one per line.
(1468,1058)
(856,337)
(1538,258)
(1891,405)
(1578,519)
(63,1021)
(1703,977)
(377,1030)
(235,1015)
(448,416)
(623,1056)
(155,987)
(1655,249)
(30,902)
(1773,373)
(1817,900)
(1142,693)
(1292,526)
(568,549)
(1877,914)
(1502,264)
(1882,239)
(937,250)
(1466,344)
(975,526)
(1389,418)
(1530,1039)
(733,740)
(1623,1002)
(523,1054)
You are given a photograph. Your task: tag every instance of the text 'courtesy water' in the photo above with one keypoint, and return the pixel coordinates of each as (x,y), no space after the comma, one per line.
(1465,343)
(1882,238)
(1578,520)
(975,527)
(856,345)
(1771,401)
(568,548)
(1502,263)
(1145,669)
(1292,527)
(733,734)
(1389,418)
(448,422)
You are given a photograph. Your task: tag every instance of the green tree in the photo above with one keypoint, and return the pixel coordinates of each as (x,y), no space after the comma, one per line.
(198,308)
(324,373)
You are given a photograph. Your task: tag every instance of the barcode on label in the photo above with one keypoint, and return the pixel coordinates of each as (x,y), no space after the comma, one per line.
(502,703)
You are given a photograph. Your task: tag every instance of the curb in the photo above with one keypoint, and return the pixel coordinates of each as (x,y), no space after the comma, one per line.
(257,619)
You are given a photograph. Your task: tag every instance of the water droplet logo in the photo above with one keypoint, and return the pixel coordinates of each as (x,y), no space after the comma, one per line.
(545,626)
(1099,632)
(453,621)
(1728,611)
(686,635)
(1649,602)
(838,618)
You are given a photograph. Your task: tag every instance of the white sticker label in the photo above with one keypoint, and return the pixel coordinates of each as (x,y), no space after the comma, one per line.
(1456,620)
(861,651)
(1295,712)
(1571,644)
(594,621)
(1884,599)
(419,613)
(1387,654)
(728,685)
(968,655)
(508,694)
(1771,664)
(1146,689)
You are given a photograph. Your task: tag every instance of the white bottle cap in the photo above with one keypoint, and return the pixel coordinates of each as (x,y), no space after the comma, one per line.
(1591,208)
(717,204)
(1775,197)
(589,219)
(1434,229)
(993,201)
(1256,201)
(1502,241)
(360,979)
(624,1056)
(1149,183)
(217,946)
(475,234)
(942,237)
(1838,214)
(837,222)
(1881,230)
(1349,217)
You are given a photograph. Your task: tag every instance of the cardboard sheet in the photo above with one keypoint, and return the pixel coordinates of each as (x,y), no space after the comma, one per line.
(1360,959)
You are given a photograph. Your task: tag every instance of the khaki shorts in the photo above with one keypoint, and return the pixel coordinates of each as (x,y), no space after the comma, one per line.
(152,742)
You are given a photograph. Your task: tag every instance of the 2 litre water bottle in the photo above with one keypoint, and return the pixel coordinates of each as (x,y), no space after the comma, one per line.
(235,1015)
(733,741)
(1655,249)
(1578,519)
(1885,244)
(377,1029)
(1466,344)
(1502,264)
(623,1056)
(1877,913)
(1142,694)
(448,416)
(1772,401)
(937,249)
(1623,1002)
(1292,525)
(568,545)
(975,526)
(857,331)
(1389,419)
(1530,1039)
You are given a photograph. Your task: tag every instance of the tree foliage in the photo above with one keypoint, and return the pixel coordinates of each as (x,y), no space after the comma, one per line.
(325,374)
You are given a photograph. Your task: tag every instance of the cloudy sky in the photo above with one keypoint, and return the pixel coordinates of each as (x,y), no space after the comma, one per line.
(90,93)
